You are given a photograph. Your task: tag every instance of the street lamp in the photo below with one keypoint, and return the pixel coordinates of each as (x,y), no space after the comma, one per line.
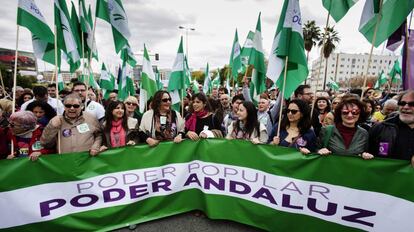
(186,37)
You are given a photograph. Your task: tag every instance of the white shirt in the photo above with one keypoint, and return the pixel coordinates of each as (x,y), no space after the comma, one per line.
(53,102)
(96,109)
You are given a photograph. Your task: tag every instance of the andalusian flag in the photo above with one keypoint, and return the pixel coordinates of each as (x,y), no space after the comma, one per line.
(333,85)
(247,50)
(122,83)
(128,56)
(216,82)
(66,40)
(176,83)
(105,81)
(92,81)
(207,81)
(87,29)
(396,73)
(148,81)
(392,14)
(257,86)
(160,85)
(29,16)
(61,84)
(113,12)
(338,8)
(76,30)
(382,79)
(235,60)
(187,73)
(288,44)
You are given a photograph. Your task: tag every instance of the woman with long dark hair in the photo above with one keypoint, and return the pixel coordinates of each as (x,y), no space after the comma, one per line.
(247,125)
(43,112)
(295,128)
(118,129)
(161,123)
(201,122)
(322,108)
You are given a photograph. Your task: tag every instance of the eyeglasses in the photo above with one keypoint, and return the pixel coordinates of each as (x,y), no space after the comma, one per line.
(353,112)
(293,112)
(131,103)
(166,100)
(70,106)
(334,103)
(79,90)
(403,103)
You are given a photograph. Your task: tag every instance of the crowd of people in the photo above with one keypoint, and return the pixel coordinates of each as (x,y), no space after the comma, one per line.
(45,122)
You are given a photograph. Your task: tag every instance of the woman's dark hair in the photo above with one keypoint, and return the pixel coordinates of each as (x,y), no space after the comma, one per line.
(367,101)
(49,111)
(20,100)
(216,108)
(203,98)
(304,123)
(109,117)
(251,121)
(328,104)
(349,102)
(156,101)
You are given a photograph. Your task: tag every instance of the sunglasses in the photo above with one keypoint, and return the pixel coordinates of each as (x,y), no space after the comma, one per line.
(131,103)
(353,112)
(292,111)
(403,103)
(166,100)
(70,106)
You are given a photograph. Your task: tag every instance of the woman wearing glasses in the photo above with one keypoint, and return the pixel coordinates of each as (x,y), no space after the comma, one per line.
(295,128)
(346,137)
(161,123)
(131,105)
(118,129)
(247,126)
(78,131)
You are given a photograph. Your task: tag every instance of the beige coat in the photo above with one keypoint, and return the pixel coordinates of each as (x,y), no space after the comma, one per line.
(84,134)
(263,133)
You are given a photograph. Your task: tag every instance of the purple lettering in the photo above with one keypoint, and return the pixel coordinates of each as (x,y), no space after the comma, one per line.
(266,194)
(245,188)
(161,184)
(192,179)
(246,179)
(47,206)
(331,209)
(295,188)
(136,191)
(286,202)
(312,189)
(92,200)
(208,182)
(360,213)
(109,198)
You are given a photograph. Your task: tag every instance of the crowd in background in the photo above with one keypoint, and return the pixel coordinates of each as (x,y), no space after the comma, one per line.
(378,124)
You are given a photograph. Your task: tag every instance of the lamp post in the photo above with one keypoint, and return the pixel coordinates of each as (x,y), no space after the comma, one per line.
(186,37)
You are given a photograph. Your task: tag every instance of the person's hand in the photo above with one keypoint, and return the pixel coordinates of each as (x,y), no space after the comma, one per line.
(11,156)
(192,135)
(276,140)
(304,150)
(255,141)
(203,135)
(178,139)
(412,161)
(130,143)
(103,148)
(56,122)
(324,151)
(152,142)
(35,155)
(93,152)
(367,156)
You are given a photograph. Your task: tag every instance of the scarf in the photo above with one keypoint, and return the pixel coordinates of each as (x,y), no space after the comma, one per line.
(191,122)
(117,134)
(166,131)
(239,132)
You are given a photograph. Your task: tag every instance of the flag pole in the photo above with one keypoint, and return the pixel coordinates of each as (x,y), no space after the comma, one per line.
(57,87)
(370,53)
(283,95)
(15,82)
(320,62)
(408,69)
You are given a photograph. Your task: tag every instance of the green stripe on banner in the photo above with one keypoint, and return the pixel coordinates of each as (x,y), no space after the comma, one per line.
(268,187)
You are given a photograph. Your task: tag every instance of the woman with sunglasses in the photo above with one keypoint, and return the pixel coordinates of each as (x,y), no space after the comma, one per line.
(346,137)
(131,105)
(201,122)
(295,128)
(78,131)
(247,126)
(161,123)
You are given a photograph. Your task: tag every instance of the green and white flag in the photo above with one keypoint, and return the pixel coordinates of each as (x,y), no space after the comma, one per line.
(338,8)
(92,81)
(61,84)
(105,80)
(195,86)
(187,73)
(87,29)
(392,12)
(113,12)
(128,56)
(228,83)
(66,40)
(29,16)
(207,86)
(256,59)
(333,85)
(288,44)
(216,82)
(235,57)
(382,79)
(246,51)
(160,85)
(176,83)
(148,81)
(77,32)
(395,73)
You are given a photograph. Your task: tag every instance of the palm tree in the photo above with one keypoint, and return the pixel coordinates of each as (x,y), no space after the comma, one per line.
(311,35)
(331,40)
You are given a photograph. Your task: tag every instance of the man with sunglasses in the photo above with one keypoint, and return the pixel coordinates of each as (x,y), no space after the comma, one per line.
(394,137)
(90,106)
(79,131)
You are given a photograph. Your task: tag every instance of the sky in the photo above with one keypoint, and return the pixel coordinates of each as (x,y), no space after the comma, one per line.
(156,23)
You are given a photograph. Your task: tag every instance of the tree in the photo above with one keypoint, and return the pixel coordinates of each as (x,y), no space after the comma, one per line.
(311,35)
(329,43)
